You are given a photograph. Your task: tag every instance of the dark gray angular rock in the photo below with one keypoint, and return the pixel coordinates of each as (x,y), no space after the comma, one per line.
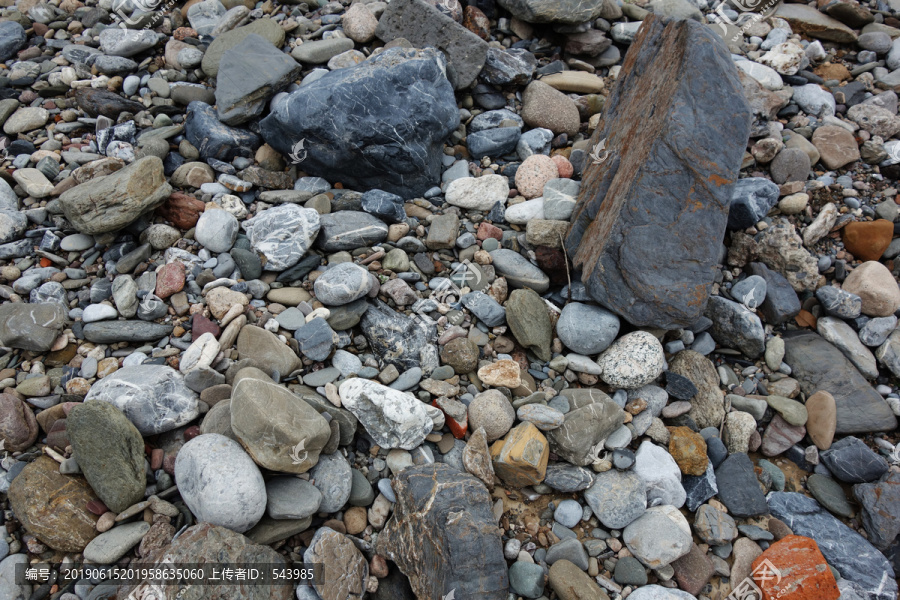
(488,310)
(735,326)
(508,67)
(567,478)
(31,326)
(443,535)
(384,205)
(388,118)
(114,65)
(110,332)
(349,230)
(12,38)
(648,228)
(316,339)
(782,303)
(854,558)
(818,365)
(679,386)
(738,487)
(880,513)
(402,341)
(249,74)
(561,11)
(214,139)
(850,460)
(751,200)
(424,25)
(493,142)
(699,488)
(838,302)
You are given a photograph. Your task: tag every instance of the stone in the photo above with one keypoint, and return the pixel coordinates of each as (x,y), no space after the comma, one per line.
(12,39)
(418,540)
(545,418)
(526,579)
(714,526)
(216,230)
(97,102)
(707,406)
(837,146)
(586,329)
(503,373)
(33,182)
(461,354)
(844,549)
(739,490)
(592,418)
(477,193)
(220,483)
(879,509)
(876,287)
(402,341)
(345,568)
(819,366)
(342,284)
(830,494)
(406,80)
(393,419)
(127,42)
(109,547)
(660,474)
(476,458)
(153,397)
(839,302)
(781,249)
(840,334)
(384,205)
(780,435)
(610,244)
(548,108)
(283,234)
(521,458)
(519,273)
(111,332)
(30,326)
(657,592)
(560,197)
(9,565)
(567,478)
(249,74)
(332,476)
(26,119)
(689,450)
(349,230)
(211,137)
(18,427)
(571,582)
(851,461)
(529,322)
(110,453)
(114,201)
(792,411)
(632,361)
(508,67)
(279,431)
(658,537)
(810,21)
(266,28)
(822,421)
(868,240)
(568,549)
(616,497)
(750,291)
(531,176)
(359,24)
(735,326)
(267,350)
(566,12)
(802,570)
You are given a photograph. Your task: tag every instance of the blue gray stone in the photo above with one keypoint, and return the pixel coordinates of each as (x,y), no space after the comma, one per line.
(751,200)
(587,329)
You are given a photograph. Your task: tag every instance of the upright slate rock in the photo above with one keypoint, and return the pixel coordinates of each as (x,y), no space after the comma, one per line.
(249,74)
(424,25)
(650,219)
(818,365)
(855,559)
(387,119)
(443,535)
(738,487)
(214,139)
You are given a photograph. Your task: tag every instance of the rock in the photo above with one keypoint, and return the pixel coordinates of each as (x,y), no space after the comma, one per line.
(781,435)
(216,230)
(521,459)
(850,460)
(26,119)
(567,478)
(29,326)
(802,570)
(399,340)
(591,419)
(750,291)
(617,498)
(268,351)
(409,82)
(52,506)
(560,197)
(815,24)
(714,526)
(543,106)
(283,234)
(658,537)
(476,458)
(359,24)
(461,354)
(384,205)
(568,11)
(660,474)
(793,412)
(535,171)
(127,42)
(508,67)
(657,592)
(266,28)
(586,329)
(830,494)
(220,483)
(736,326)
(393,419)
(477,193)
(12,39)
(349,230)
(280,431)
(493,412)
(632,361)
(345,568)
(110,203)
(518,271)
(880,514)
(529,322)
(819,366)
(847,341)
(110,453)
(211,137)
(836,146)
(111,332)
(103,102)
(739,490)
(332,477)
(342,284)
(838,302)
(109,547)
(844,549)
(689,450)
(503,373)
(18,427)
(9,565)
(791,164)
(621,246)
(781,249)
(249,74)
(876,287)
(545,418)
(868,240)
(418,539)
(291,498)
(707,406)
(153,397)
(526,579)
(822,420)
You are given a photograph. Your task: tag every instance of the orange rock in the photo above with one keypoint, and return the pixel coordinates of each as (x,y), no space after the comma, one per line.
(521,459)
(794,568)
(868,240)
(688,449)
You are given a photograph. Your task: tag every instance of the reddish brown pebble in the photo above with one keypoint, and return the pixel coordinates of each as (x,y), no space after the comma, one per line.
(191,432)
(97,507)
(169,464)
(156,458)
(378,567)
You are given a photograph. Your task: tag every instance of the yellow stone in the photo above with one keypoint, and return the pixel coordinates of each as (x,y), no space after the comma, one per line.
(521,458)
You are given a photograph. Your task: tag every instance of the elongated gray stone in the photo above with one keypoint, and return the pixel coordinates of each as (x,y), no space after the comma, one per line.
(110,332)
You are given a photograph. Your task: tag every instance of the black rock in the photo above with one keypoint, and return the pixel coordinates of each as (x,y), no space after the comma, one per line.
(214,139)
(508,67)
(12,38)
(487,97)
(782,303)
(739,489)
(818,365)
(850,460)
(102,102)
(493,142)
(248,262)
(398,340)
(680,386)
(443,535)
(394,587)
(854,558)
(880,513)
(110,332)
(298,271)
(716,451)
(648,228)
(384,205)
(751,200)
(699,488)
(349,230)
(388,118)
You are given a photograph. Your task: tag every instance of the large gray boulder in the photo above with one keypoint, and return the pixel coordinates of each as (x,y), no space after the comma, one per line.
(650,219)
